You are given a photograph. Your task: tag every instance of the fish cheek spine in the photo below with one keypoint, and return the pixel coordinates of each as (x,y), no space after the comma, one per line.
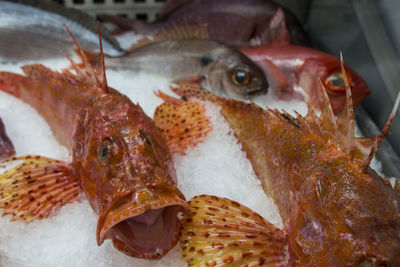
(127,175)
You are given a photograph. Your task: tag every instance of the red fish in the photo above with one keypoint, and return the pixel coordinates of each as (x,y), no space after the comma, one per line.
(336,210)
(6,146)
(294,72)
(120,160)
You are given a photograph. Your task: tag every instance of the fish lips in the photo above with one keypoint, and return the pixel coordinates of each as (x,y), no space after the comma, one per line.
(143,209)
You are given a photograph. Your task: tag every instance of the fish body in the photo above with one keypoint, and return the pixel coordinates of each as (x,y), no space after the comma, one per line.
(294,73)
(177,54)
(6,146)
(32,30)
(237,23)
(336,211)
(119,160)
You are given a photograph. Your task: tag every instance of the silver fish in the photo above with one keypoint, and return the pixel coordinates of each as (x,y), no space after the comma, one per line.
(32,29)
(177,54)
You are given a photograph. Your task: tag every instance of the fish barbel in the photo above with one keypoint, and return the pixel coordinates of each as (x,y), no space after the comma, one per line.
(120,160)
(336,210)
(233,22)
(6,146)
(185,51)
(32,30)
(294,73)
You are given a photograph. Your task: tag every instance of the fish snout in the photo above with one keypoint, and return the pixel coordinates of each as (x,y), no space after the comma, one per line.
(143,223)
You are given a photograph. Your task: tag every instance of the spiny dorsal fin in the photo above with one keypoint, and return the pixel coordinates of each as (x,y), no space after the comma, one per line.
(85,70)
(185,31)
(345,120)
(385,131)
(327,117)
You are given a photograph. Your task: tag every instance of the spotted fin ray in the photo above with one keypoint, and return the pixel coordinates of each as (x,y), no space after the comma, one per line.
(36,188)
(183,123)
(221,232)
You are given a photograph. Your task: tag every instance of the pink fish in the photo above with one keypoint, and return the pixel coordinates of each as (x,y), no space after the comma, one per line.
(294,73)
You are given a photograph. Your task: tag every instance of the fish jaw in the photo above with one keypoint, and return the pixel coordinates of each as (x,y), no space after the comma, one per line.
(143,223)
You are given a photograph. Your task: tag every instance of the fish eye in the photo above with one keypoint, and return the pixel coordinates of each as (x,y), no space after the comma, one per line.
(240,77)
(335,82)
(105,148)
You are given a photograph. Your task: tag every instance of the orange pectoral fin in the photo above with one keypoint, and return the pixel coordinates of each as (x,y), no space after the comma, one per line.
(221,232)
(36,188)
(184,123)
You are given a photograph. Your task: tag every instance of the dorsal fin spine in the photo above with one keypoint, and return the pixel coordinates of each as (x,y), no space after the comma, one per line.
(101,65)
(87,71)
(385,131)
(327,116)
(346,117)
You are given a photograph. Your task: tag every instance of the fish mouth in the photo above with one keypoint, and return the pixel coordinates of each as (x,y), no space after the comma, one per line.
(144,223)
(256,92)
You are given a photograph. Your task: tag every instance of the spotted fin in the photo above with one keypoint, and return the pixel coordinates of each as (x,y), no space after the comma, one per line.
(184,123)
(36,188)
(221,232)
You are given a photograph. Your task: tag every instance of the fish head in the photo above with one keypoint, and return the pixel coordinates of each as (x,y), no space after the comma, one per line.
(234,75)
(327,68)
(126,172)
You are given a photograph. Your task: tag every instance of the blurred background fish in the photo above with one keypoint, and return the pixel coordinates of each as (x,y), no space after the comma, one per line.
(234,22)
(295,72)
(32,29)
(187,51)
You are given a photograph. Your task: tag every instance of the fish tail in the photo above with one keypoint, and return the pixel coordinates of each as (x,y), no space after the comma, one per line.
(221,232)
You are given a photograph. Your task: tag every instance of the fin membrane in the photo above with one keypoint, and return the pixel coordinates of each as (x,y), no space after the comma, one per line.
(183,123)
(183,31)
(221,232)
(36,188)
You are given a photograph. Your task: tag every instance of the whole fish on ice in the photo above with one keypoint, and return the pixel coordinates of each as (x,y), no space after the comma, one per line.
(234,22)
(33,29)
(120,159)
(6,146)
(337,211)
(294,72)
(186,51)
